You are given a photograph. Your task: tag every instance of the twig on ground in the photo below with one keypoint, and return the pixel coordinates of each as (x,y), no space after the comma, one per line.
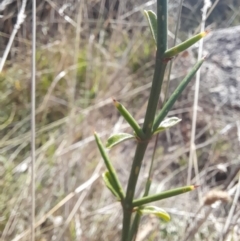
(20,19)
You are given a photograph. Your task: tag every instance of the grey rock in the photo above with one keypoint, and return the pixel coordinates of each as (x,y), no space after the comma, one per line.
(221,72)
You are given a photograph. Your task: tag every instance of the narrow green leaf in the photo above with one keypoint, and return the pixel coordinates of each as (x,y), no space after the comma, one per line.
(115,139)
(114,179)
(169,104)
(162,195)
(159,212)
(110,184)
(129,118)
(184,45)
(167,123)
(152,22)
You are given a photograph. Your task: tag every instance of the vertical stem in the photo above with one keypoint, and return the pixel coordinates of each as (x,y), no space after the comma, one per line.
(160,66)
(162,29)
(140,151)
(33,121)
(149,180)
(137,218)
(135,226)
(154,95)
(127,205)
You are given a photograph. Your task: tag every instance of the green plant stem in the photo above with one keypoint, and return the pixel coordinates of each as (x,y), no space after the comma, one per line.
(127,205)
(137,218)
(169,104)
(110,167)
(162,195)
(149,179)
(154,96)
(162,29)
(129,118)
(135,226)
(160,66)
(183,46)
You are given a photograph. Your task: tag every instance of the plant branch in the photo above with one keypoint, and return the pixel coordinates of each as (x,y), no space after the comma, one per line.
(162,195)
(169,104)
(127,206)
(160,66)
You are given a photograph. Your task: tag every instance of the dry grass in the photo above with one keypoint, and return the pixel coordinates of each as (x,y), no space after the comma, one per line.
(76,79)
